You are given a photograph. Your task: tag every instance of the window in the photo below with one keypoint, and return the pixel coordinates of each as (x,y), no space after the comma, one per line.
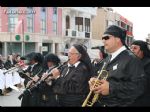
(30,20)
(123,25)
(55,10)
(79,23)
(55,20)
(67,22)
(129,40)
(43,20)
(131,28)
(128,28)
(12,19)
(117,23)
(109,23)
(87,24)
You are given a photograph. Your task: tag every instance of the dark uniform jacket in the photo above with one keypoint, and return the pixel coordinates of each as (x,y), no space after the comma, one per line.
(32,98)
(36,70)
(73,87)
(144,100)
(1,64)
(47,96)
(8,64)
(146,64)
(126,80)
(97,66)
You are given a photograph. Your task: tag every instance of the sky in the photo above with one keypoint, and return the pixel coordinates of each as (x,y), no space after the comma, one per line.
(140,17)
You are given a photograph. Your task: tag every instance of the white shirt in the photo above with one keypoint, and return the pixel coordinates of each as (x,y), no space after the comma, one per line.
(76,64)
(33,66)
(50,68)
(116,53)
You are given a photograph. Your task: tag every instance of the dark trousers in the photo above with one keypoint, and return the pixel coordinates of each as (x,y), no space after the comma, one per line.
(48,100)
(143,101)
(30,99)
(1,92)
(70,100)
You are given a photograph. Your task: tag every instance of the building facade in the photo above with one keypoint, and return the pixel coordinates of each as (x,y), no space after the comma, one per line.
(127,25)
(45,29)
(55,29)
(77,26)
(40,30)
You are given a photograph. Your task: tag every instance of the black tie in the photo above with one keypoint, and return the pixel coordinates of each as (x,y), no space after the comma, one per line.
(70,68)
(109,58)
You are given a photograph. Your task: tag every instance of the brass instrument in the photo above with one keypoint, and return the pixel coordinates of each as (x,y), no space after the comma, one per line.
(11,69)
(96,96)
(18,66)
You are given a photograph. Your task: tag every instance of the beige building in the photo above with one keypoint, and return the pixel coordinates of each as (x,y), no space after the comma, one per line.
(106,17)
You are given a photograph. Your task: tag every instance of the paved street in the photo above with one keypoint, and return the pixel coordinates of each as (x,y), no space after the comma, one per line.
(11,100)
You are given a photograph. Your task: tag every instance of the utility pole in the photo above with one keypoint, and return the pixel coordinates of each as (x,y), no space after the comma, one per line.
(23,44)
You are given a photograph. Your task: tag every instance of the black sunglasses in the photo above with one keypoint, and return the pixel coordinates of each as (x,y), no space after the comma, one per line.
(105,38)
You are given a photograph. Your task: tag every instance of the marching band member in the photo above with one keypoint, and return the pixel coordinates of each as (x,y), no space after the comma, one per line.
(7,65)
(17,80)
(97,63)
(141,50)
(1,75)
(126,77)
(2,83)
(1,62)
(47,97)
(35,62)
(71,82)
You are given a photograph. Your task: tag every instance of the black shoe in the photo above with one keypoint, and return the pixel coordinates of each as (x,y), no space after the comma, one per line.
(1,94)
(9,90)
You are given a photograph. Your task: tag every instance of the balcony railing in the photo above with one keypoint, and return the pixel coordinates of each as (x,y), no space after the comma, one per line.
(78,34)
(71,33)
(87,34)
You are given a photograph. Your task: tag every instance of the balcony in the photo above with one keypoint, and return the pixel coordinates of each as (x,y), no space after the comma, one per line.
(77,34)
(74,33)
(71,33)
(87,35)
(81,34)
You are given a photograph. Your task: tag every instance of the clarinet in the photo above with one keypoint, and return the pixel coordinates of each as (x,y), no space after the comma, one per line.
(30,90)
(25,91)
